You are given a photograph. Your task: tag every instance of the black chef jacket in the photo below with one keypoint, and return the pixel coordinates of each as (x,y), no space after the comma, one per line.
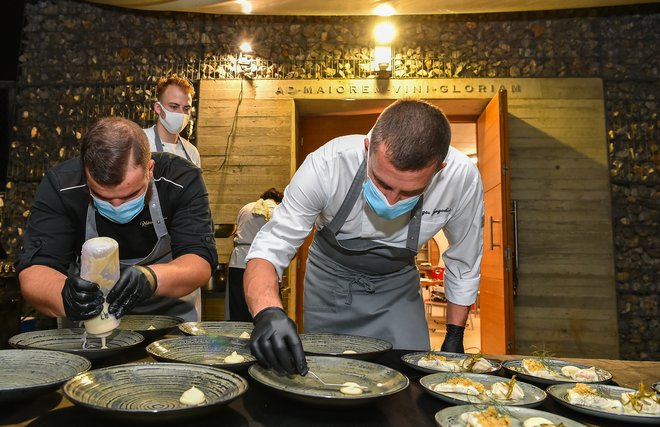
(56,227)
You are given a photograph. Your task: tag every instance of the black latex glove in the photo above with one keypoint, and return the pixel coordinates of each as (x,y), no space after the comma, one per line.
(453,342)
(135,284)
(276,344)
(82,299)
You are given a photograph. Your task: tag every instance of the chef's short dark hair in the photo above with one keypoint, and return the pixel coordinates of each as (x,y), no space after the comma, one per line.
(413,132)
(110,145)
(272,193)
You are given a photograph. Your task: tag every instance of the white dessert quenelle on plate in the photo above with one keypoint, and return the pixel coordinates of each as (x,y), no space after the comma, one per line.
(579,374)
(192,396)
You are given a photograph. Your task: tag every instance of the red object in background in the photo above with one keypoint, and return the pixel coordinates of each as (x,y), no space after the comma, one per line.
(438,273)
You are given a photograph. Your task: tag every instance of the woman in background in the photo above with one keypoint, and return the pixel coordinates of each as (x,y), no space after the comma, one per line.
(249,221)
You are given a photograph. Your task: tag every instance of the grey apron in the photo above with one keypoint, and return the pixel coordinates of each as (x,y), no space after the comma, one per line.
(187,307)
(159,144)
(360,287)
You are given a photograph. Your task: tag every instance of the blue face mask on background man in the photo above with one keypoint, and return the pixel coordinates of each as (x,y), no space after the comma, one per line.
(123,213)
(379,203)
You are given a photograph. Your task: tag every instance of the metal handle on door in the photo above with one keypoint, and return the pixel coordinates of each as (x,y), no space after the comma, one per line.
(497,221)
(514,212)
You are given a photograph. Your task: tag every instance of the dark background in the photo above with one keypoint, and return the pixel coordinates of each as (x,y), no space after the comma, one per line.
(11,21)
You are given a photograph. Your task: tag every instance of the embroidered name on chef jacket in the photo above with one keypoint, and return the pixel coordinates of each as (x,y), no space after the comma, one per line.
(436,211)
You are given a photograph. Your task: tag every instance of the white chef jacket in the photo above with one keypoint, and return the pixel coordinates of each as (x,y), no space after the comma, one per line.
(177,148)
(453,202)
(248,225)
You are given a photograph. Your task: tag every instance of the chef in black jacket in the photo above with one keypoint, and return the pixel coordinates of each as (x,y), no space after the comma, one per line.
(155,205)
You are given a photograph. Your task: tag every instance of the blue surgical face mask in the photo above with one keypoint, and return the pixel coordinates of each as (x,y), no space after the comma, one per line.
(379,203)
(123,213)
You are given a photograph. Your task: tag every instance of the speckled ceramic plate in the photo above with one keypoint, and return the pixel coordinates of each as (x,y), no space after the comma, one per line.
(225,329)
(559,393)
(412,360)
(202,351)
(329,344)
(555,365)
(138,392)
(380,380)
(149,325)
(534,396)
(28,373)
(70,340)
(450,417)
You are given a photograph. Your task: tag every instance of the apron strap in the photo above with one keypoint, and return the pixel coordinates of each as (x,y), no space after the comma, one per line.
(349,201)
(156,212)
(159,144)
(414,226)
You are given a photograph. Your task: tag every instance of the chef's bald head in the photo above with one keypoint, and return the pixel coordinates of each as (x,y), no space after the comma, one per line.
(414,134)
(112,145)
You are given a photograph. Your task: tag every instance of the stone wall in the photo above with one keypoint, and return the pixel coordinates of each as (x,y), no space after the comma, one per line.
(82,61)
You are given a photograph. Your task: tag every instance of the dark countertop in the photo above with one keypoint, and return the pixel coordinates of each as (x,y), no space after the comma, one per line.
(261,406)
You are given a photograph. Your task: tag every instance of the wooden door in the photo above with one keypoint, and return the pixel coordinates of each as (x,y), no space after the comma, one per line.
(496,291)
(314,132)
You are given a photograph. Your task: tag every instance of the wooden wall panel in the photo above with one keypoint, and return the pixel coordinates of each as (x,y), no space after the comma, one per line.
(566,300)
(259,154)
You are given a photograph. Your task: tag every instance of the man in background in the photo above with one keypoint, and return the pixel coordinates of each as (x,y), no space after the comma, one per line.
(173,107)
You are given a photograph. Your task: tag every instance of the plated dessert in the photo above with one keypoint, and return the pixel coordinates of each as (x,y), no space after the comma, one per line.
(431,361)
(623,404)
(496,416)
(554,371)
(484,389)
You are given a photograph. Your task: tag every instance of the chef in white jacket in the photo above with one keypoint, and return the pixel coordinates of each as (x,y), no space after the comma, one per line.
(173,106)
(375,200)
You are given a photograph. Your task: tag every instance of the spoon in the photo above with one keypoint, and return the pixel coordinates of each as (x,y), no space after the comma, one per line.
(335,385)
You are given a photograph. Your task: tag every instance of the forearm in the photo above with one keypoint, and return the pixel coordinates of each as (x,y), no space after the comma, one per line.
(261,286)
(457,314)
(41,287)
(181,276)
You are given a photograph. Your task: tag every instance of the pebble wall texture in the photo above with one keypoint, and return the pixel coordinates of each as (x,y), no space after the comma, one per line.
(82,61)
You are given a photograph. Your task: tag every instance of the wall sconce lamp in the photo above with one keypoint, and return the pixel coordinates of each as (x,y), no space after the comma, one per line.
(246,66)
(383,60)
(384,34)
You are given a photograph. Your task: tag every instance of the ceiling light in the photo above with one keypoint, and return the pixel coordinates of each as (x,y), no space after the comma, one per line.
(246,6)
(384,9)
(384,33)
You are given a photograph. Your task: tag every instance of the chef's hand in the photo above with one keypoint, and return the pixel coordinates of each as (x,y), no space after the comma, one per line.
(276,344)
(82,299)
(453,342)
(135,284)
